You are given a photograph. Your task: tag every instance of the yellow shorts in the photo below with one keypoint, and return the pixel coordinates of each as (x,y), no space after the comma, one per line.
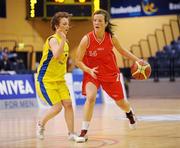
(52,92)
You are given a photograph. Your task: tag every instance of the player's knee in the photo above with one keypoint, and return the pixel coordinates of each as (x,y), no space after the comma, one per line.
(91,99)
(57,108)
(122,103)
(67,105)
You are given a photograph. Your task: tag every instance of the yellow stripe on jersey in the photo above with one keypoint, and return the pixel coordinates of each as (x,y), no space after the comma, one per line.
(51,69)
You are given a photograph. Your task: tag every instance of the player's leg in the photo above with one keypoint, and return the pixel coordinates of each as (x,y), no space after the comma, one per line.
(115,91)
(67,104)
(68,110)
(50,113)
(69,118)
(91,91)
(51,96)
(69,115)
(124,105)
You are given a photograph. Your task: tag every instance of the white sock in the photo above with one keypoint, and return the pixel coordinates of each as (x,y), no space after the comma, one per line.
(85,125)
(70,133)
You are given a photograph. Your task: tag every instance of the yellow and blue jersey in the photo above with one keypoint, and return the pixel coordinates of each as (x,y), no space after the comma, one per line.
(51,69)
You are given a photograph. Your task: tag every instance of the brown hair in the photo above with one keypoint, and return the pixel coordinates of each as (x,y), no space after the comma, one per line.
(57,17)
(107,19)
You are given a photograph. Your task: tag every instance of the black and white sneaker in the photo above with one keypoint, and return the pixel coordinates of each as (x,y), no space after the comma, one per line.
(132,120)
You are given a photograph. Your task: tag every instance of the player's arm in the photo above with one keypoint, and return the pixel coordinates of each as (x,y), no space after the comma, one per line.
(79,57)
(122,51)
(57,48)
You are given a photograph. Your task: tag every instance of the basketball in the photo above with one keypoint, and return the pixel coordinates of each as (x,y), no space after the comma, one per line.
(141,70)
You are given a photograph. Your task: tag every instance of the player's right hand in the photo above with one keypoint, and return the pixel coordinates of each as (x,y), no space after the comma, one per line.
(93,71)
(62,35)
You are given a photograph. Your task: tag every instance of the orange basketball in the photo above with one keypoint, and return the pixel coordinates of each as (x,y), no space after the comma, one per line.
(141,70)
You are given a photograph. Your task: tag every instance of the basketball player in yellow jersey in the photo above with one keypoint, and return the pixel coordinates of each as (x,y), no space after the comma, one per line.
(50,85)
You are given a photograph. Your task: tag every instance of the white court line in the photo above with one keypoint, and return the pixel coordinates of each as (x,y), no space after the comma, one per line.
(164,117)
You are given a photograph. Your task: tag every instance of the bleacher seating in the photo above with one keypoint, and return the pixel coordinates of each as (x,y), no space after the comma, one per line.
(166,63)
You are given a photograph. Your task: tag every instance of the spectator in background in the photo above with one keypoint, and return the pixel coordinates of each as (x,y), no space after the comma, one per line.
(0,53)
(5,63)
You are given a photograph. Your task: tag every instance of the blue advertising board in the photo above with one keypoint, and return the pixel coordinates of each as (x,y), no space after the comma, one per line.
(17,87)
(136,8)
(77,87)
(17,91)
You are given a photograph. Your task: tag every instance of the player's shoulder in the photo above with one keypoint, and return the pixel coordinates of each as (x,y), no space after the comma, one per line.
(90,34)
(53,39)
(52,36)
(85,39)
(114,36)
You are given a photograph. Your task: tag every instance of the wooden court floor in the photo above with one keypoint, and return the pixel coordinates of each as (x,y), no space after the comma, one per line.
(158,127)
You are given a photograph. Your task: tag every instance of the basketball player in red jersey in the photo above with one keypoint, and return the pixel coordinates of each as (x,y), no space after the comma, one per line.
(96,58)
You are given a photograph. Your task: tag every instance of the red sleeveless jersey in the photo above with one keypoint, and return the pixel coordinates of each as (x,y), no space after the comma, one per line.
(100,54)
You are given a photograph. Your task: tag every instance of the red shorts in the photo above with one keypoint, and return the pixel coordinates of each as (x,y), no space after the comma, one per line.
(113,89)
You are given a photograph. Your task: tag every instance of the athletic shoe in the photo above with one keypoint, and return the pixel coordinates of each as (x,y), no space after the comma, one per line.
(82,137)
(132,120)
(40,132)
(83,133)
(76,138)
